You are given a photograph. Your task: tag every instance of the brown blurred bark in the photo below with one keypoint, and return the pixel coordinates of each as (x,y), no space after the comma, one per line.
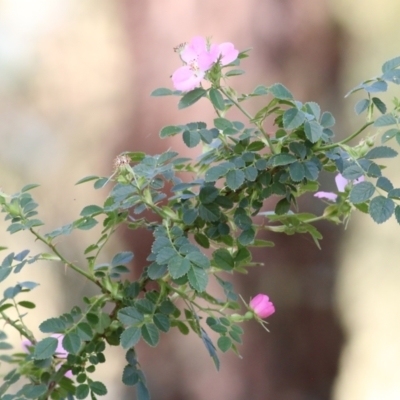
(296,43)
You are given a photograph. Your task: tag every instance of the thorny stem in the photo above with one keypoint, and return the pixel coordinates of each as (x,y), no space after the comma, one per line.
(24,331)
(250,117)
(344,141)
(64,260)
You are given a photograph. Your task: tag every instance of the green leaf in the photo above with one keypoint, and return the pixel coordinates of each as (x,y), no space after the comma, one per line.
(380,105)
(156,271)
(256,146)
(385,120)
(98,388)
(52,325)
(282,207)
(178,266)
(394,194)
(224,343)
(216,172)
(86,223)
(251,173)
(4,272)
(198,259)
(84,331)
(222,123)
(191,138)
(165,254)
(384,183)
(381,209)
(235,179)
(150,334)
(297,171)
(87,179)
(170,130)
(90,210)
(130,316)
(142,393)
(389,134)
(122,258)
(27,304)
(130,375)
(313,130)
(161,92)
(235,72)
(198,278)
(33,391)
(202,240)
(209,212)
(130,337)
(161,321)
(313,109)
(189,216)
(362,192)
(223,259)
(327,119)
(293,118)
(208,194)
(29,187)
(377,86)
(191,97)
(381,152)
(82,391)
(280,92)
(247,237)
(391,64)
(45,348)
(216,99)
(72,343)
(397,214)
(283,159)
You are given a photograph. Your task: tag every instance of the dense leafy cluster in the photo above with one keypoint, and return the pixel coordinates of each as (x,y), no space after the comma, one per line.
(201,213)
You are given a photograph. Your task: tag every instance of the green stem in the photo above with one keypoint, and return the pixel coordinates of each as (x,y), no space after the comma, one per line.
(344,141)
(23,330)
(64,260)
(250,117)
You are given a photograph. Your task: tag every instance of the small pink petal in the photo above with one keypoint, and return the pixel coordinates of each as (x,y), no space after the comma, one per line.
(326,195)
(205,61)
(228,53)
(185,79)
(198,44)
(262,306)
(25,344)
(341,182)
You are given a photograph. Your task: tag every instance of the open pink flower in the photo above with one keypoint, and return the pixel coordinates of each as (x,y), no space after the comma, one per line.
(199,57)
(341,183)
(228,53)
(60,351)
(262,306)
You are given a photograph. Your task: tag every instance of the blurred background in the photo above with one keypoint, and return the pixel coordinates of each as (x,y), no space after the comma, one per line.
(75,79)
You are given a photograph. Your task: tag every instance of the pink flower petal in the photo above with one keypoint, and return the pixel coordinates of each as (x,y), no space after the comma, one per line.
(326,195)
(185,79)
(228,53)
(198,44)
(341,182)
(262,306)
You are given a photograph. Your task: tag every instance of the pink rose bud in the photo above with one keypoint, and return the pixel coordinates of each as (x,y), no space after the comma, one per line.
(262,306)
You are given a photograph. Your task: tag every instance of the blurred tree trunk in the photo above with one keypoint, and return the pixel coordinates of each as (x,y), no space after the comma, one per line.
(296,43)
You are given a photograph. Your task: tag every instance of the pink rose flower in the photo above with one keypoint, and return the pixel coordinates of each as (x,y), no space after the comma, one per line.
(60,351)
(341,184)
(199,58)
(228,53)
(262,306)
